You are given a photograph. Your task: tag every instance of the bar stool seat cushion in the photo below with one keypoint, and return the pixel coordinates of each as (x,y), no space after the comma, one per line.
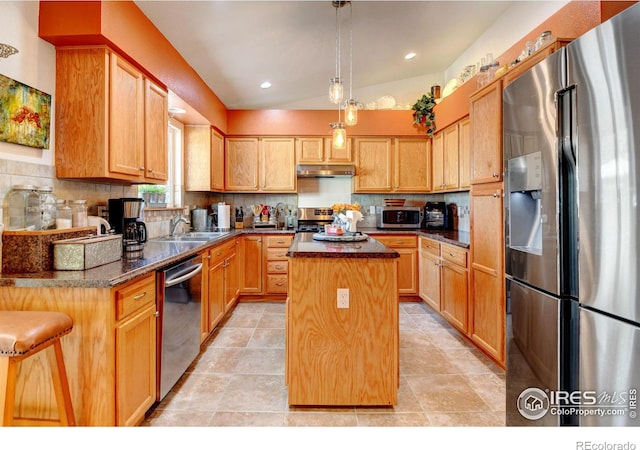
(22,332)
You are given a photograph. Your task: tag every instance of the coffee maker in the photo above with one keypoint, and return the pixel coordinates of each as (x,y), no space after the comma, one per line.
(124,216)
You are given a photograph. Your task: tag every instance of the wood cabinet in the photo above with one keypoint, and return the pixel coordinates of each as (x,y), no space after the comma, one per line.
(277,263)
(450,161)
(203,159)
(486,134)
(251,264)
(111,120)
(386,165)
(109,355)
(318,150)
(412,165)
(455,286)
(487,307)
(407,247)
(429,272)
(260,165)
(222,283)
(373,160)
(135,350)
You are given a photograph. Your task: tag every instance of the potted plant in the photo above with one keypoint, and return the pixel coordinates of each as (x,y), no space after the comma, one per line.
(423,115)
(153,194)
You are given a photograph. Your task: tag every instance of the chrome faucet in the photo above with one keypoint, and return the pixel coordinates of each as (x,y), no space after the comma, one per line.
(175,221)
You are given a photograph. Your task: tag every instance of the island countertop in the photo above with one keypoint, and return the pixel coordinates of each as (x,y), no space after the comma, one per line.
(306,247)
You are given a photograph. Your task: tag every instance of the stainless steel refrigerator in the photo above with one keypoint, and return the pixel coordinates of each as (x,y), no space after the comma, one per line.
(572,180)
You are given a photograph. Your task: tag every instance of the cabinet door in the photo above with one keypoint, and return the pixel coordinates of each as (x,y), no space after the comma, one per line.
(231,281)
(216,293)
(412,165)
(337,155)
(451,157)
(437,162)
(464,147)
(217,161)
(197,162)
(136,366)
(429,279)
(241,164)
(126,115)
(251,264)
(309,150)
(487,312)
(373,165)
(278,165)
(486,134)
(156,115)
(455,282)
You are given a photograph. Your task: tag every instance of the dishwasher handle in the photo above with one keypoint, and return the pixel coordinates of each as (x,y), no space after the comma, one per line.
(183,276)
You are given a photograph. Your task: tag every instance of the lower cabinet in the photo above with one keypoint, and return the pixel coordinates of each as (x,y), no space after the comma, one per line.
(223,283)
(444,281)
(251,264)
(455,286)
(264,265)
(277,263)
(407,247)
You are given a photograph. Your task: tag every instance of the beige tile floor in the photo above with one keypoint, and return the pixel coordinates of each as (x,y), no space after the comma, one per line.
(238,380)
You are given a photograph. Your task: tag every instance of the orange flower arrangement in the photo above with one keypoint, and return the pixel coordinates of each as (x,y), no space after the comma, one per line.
(344,207)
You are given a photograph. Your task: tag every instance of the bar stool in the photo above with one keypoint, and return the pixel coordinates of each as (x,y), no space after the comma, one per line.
(25,333)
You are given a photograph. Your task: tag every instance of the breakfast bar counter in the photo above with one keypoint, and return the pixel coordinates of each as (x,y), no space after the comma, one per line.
(342,320)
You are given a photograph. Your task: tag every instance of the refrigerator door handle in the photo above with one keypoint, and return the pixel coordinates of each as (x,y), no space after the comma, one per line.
(568,189)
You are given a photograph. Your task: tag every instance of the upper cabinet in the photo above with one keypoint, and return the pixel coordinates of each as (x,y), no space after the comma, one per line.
(203,159)
(386,165)
(486,134)
(318,150)
(260,164)
(451,154)
(111,121)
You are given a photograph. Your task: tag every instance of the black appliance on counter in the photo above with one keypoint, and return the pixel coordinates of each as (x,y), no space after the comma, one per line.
(314,219)
(124,216)
(439,216)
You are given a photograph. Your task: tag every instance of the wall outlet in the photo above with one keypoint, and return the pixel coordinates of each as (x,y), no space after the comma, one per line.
(343,298)
(372,209)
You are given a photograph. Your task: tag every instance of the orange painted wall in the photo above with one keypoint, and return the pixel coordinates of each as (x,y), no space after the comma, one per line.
(121,25)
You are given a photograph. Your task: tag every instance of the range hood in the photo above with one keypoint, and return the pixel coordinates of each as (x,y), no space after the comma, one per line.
(325,170)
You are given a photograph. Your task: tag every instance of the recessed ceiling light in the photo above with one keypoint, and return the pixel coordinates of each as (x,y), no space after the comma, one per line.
(176,110)
(265,85)
(410,55)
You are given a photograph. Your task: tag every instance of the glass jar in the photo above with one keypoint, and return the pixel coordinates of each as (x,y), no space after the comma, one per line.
(483,76)
(24,208)
(64,216)
(79,213)
(47,207)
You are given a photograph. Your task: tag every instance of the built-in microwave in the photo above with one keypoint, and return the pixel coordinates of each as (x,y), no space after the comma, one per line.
(399,216)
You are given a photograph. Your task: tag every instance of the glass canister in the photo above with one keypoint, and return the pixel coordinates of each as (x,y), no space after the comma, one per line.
(47,207)
(64,216)
(79,213)
(24,208)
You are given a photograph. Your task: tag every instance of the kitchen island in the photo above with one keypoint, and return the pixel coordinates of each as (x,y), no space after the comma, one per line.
(342,337)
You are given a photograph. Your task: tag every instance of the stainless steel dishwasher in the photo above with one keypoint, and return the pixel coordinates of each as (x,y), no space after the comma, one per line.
(180,293)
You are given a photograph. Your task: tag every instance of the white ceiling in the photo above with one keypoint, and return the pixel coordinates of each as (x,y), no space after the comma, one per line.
(235,45)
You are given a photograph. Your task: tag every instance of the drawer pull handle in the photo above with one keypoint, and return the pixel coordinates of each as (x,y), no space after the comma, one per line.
(280,284)
(139,296)
(279,267)
(453,255)
(495,194)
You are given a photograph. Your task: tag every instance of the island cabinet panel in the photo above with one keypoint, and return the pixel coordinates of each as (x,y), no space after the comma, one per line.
(342,356)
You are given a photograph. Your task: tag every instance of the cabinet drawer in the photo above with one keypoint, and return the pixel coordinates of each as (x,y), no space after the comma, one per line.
(277,254)
(430,246)
(455,255)
(277,284)
(397,241)
(221,251)
(136,295)
(279,241)
(277,267)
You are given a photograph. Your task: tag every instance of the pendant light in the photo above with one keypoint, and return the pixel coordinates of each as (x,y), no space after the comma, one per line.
(335,87)
(351,107)
(339,136)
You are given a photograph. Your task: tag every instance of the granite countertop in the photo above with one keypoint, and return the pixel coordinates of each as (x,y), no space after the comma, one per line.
(157,255)
(306,247)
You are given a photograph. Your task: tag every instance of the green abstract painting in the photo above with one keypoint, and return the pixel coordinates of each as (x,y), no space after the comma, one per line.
(25,114)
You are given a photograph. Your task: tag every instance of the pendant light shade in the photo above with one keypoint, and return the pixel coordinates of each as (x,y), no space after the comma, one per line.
(351,113)
(339,139)
(336,91)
